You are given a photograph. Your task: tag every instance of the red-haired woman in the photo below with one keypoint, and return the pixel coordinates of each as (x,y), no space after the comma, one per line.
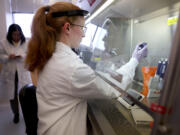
(64,82)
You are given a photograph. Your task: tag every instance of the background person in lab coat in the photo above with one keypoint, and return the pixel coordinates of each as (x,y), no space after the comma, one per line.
(13,74)
(65,83)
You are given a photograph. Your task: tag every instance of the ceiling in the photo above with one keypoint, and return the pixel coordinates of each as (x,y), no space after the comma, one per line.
(30,6)
(120,8)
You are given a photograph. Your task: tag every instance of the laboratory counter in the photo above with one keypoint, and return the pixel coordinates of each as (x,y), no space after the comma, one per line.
(110,117)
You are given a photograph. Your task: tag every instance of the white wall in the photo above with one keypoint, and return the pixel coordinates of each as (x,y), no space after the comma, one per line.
(6,17)
(3,19)
(9,18)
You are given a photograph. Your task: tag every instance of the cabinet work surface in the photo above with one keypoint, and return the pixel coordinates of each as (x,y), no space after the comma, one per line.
(109,117)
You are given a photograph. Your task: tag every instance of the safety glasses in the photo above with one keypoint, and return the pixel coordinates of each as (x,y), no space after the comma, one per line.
(83,27)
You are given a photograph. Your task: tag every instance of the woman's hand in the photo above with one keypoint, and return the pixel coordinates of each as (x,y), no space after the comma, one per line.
(18,56)
(140,51)
(12,56)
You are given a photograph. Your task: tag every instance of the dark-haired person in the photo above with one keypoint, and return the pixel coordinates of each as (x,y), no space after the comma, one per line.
(13,75)
(64,82)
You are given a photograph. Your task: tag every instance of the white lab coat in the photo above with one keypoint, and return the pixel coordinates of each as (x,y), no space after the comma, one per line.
(64,85)
(9,67)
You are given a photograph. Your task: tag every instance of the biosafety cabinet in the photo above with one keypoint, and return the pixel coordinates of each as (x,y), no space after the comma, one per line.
(125,23)
(113,35)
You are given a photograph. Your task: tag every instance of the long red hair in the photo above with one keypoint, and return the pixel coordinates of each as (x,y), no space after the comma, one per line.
(45,32)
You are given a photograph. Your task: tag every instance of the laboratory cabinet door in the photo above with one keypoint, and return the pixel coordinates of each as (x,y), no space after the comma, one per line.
(167,122)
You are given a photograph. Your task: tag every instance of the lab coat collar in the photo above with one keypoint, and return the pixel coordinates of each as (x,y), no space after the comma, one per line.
(16,44)
(60,46)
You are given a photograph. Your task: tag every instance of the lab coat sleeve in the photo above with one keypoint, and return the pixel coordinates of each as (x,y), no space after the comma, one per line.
(4,58)
(85,84)
(128,72)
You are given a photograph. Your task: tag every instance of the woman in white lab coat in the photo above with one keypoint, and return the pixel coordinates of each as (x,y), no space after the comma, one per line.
(13,74)
(64,81)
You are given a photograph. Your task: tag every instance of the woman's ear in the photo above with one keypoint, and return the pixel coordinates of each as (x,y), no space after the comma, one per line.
(66,27)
